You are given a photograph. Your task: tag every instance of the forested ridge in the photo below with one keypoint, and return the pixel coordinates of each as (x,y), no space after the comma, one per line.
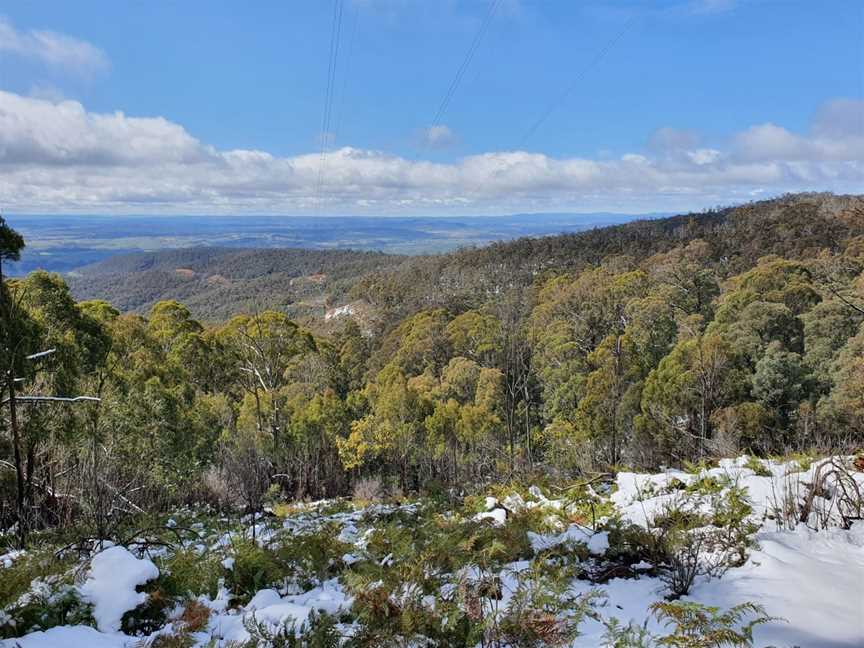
(645,344)
(794,227)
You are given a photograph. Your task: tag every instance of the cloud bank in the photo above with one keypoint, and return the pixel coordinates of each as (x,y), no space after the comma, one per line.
(57,157)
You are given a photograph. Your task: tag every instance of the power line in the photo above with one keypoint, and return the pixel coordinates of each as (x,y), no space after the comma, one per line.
(347,73)
(599,56)
(333,59)
(466,61)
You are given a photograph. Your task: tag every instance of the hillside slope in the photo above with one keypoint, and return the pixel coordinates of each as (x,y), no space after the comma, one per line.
(793,226)
(216,283)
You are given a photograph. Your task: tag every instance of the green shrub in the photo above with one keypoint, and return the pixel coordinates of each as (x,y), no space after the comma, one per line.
(702,626)
(757,466)
(187,573)
(149,616)
(543,611)
(255,568)
(708,485)
(16,579)
(693,626)
(318,632)
(629,636)
(313,557)
(45,608)
(36,593)
(694,543)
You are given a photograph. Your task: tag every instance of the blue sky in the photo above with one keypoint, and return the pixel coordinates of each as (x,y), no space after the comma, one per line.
(198,107)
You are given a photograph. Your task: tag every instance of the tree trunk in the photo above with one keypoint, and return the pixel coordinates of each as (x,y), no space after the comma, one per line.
(20,478)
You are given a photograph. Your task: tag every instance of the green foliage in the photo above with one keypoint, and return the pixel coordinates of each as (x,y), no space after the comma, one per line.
(311,558)
(696,377)
(781,380)
(255,568)
(543,611)
(700,626)
(672,341)
(757,466)
(318,632)
(632,635)
(11,243)
(47,607)
(692,542)
(708,485)
(693,625)
(187,573)
(36,592)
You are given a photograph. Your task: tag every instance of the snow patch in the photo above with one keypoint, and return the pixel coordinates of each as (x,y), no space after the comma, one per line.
(68,637)
(498,516)
(597,543)
(339,311)
(114,575)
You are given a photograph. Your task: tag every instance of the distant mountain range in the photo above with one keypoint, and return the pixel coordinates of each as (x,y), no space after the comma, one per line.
(64,243)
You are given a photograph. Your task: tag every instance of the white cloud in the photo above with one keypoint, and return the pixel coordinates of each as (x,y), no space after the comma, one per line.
(672,140)
(839,119)
(58,157)
(47,91)
(704,156)
(836,134)
(439,136)
(52,49)
(38,131)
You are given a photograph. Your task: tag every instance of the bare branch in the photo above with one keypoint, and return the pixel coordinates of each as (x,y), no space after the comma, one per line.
(41,354)
(53,399)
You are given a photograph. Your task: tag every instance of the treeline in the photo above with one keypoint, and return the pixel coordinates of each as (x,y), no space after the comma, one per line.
(654,358)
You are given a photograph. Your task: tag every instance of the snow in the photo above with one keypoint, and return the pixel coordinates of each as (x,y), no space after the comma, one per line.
(814,580)
(267,606)
(68,637)
(264,598)
(270,608)
(597,543)
(513,503)
(114,575)
(498,516)
(811,580)
(7,559)
(339,311)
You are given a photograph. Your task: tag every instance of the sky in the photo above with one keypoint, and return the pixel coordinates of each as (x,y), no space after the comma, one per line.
(426,107)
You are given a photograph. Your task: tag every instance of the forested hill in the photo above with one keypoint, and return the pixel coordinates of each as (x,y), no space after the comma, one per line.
(731,239)
(218,282)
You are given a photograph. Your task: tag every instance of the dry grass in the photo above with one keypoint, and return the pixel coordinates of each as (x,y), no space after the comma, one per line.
(195,616)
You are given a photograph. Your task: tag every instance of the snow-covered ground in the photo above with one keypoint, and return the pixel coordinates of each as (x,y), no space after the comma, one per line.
(812,581)
(809,576)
